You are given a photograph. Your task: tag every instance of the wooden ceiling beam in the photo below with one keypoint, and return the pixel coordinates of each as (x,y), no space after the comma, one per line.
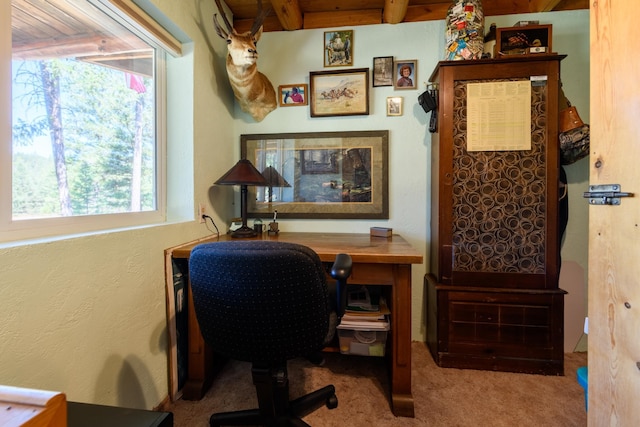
(426,12)
(573,5)
(270,23)
(542,5)
(288,13)
(394,11)
(342,18)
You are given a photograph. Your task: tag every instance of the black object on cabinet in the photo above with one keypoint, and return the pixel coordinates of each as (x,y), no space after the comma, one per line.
(493,300)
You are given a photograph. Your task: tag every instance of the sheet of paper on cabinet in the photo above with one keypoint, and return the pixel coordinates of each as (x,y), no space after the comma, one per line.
(499,116)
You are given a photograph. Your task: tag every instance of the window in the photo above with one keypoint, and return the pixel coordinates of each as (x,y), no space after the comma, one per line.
(87,96)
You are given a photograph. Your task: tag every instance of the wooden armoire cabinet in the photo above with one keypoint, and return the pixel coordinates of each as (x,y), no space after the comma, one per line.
(493,300)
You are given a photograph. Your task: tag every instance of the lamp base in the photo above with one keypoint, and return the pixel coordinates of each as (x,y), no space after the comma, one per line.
(244,232)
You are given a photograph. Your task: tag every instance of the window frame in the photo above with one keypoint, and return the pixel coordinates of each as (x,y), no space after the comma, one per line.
(19,230)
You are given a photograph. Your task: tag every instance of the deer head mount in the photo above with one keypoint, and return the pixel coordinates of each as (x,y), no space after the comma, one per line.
(252,89)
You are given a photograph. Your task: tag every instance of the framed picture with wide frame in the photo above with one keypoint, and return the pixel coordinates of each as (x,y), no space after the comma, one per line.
(320,174)
(339,93)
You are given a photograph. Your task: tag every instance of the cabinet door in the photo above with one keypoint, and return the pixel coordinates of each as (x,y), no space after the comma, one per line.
(498,210)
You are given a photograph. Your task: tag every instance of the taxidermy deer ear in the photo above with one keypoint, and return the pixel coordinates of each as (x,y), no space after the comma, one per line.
(258,34)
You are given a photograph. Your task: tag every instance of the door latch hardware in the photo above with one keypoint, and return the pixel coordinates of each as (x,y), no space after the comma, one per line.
(606,194)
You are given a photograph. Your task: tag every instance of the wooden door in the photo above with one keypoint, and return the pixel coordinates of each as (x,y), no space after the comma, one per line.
(614,231)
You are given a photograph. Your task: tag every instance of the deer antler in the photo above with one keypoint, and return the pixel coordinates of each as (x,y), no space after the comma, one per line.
(260,16)
(219,29)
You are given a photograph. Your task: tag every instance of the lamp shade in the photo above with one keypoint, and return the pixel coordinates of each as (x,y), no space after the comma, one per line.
(274,179)
(242,173)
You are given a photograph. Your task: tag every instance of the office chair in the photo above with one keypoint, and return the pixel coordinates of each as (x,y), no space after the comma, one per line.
(267,302)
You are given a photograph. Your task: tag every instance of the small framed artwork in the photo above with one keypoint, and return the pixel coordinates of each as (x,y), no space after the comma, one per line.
(405,74)
(394,106)
(383,71)
(339,93)
(293,95)
(338,48)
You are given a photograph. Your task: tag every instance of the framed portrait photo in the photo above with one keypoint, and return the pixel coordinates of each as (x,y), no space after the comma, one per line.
(339,93)
(338,48)
(293,95)
(406,74)
(383,71)
(394,105)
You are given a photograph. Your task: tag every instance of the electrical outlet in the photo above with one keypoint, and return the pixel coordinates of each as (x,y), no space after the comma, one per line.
(200,213)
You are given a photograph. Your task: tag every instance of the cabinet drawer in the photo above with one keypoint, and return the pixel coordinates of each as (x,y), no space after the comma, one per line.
(515,330)
(502,324)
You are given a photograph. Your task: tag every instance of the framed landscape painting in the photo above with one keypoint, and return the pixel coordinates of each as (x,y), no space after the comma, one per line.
(323,174)
(339,93)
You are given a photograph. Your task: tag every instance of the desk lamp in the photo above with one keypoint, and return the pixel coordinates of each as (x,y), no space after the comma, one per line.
(243,174)
(274,179)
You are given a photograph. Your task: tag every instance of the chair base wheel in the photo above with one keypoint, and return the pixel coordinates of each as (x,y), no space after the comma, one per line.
(332,402)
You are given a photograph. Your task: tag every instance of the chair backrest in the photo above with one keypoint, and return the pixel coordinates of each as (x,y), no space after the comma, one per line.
(260,301)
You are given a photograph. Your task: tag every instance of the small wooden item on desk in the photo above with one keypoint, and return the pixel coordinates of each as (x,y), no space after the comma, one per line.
(381,232)
(273,225)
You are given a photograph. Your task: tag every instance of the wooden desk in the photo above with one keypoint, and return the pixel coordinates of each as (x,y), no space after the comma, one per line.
(376,261)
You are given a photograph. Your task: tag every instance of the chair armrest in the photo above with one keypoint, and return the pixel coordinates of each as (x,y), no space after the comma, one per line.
(341,268)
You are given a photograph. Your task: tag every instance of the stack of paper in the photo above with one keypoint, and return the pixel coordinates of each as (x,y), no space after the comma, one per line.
(365,310)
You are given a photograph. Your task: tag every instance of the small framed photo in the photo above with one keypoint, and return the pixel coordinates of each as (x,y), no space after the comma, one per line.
(338,48)
(383,71)
(394,105)
(339,93)
(293,95)
(406,73)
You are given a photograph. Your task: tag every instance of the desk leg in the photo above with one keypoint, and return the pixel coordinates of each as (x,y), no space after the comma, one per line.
(200,363)
(401,395)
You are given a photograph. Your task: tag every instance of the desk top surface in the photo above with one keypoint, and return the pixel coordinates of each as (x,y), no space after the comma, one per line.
(363,248)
